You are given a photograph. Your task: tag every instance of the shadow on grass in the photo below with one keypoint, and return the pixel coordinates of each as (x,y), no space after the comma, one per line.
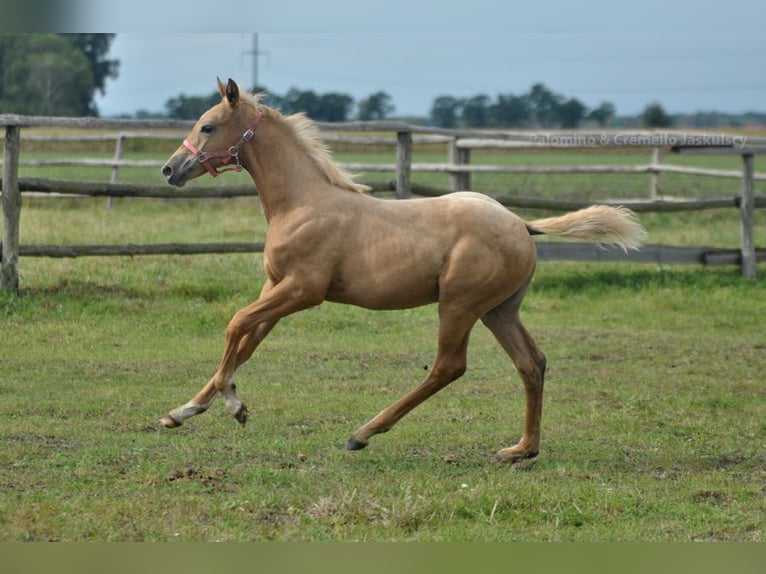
(565,278)
(77,290)
(579,278)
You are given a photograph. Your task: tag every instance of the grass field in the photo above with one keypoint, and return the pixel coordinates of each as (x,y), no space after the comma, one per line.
(653,428)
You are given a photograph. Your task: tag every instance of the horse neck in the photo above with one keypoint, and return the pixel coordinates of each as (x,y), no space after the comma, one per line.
(284,174)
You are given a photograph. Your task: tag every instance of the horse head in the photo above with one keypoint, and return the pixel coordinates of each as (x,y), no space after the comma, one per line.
(214,141)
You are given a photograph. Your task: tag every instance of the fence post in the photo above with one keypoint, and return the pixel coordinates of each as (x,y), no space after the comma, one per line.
(654,183)
(9,267)
(746,208)
(403,165)
(118,149)
(459,181)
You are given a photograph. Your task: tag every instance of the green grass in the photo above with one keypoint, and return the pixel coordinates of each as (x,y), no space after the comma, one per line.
(653,425)
(653,422)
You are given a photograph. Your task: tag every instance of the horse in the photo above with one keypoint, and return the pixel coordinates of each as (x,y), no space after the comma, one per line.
(328,240)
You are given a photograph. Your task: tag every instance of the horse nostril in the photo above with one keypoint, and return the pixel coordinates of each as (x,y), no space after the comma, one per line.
(167,171)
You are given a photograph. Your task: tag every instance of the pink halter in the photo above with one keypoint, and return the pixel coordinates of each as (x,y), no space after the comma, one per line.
(232,153)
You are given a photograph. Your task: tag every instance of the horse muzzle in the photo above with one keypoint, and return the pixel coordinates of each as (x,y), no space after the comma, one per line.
(178,170)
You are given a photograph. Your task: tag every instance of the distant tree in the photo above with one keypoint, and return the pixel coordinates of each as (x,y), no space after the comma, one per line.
(142,114)
(96,47)
(510,111)
(306,101)
(329,107)
(185,107)
(571,113)
(53,74)
(544,105)
(603,113)
(334,107)
(704,120)
(475,111)
(654,116)
(375,107)
(445,111)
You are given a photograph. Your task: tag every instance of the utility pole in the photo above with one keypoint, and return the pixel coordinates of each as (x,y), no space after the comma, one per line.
(255,53)
(255,60)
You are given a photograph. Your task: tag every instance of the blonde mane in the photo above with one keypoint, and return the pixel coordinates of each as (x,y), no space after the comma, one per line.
(307,135)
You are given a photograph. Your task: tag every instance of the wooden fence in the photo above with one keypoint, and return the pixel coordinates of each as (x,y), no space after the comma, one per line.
(460,143)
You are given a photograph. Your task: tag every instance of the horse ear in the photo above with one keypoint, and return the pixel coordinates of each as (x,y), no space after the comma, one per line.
(232,92)
(221,87)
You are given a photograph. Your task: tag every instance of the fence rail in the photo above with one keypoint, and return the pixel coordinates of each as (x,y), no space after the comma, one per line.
(546,251)
(460,143)
(460,164)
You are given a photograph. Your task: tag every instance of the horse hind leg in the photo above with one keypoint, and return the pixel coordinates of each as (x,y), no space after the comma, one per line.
(450,364)
(505,324)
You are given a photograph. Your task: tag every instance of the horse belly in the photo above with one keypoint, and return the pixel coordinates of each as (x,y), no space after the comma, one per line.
(387,282)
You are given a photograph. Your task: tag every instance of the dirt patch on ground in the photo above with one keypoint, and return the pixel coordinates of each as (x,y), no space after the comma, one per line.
(209,478)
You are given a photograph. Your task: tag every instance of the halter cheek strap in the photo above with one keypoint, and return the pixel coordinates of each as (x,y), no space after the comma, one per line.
(226,155)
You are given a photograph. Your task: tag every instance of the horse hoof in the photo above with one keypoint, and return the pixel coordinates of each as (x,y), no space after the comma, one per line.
(523,462)
(241,415)
(169,422)
(354,444)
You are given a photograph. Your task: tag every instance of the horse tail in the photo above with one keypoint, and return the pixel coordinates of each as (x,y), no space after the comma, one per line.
(600,223)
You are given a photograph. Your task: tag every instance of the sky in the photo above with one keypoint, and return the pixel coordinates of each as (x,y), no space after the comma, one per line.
(687,55)
(684,72)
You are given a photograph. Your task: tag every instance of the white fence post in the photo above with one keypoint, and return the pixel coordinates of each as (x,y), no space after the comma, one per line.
(118,149)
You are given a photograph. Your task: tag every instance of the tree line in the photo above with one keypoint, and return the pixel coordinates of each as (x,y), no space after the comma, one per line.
(323,107)
(540,107)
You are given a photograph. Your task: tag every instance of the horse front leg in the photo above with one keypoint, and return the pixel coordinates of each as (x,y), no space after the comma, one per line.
(246,330)
(207,395)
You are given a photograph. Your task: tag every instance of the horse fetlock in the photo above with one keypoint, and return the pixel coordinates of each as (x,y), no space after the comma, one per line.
(176,417)
(235,407)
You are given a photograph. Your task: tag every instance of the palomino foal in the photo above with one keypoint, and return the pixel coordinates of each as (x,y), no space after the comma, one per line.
(327,240)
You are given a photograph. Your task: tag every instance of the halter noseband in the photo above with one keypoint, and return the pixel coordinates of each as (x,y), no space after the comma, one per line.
(232,153)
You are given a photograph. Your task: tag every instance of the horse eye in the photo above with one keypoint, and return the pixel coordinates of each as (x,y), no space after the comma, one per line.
(207,129)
